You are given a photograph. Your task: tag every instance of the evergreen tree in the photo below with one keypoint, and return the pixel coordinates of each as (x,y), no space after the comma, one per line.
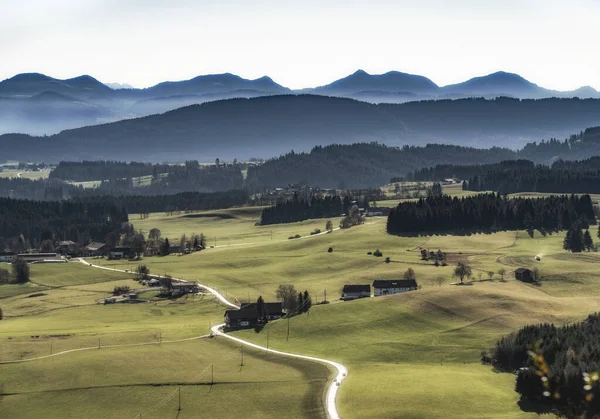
(300,303)
(307,302)
(165,248)
(588,241)
(260,308)
(20,271)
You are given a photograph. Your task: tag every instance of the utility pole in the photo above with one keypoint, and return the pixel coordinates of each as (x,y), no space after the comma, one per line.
(212,379)
(325,295)
(287,337)
(50,347)
(98,343)
(242,357)
(179,408)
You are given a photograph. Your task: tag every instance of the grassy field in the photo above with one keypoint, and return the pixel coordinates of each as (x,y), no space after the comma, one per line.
(225,227)
(127,382)
(409,355)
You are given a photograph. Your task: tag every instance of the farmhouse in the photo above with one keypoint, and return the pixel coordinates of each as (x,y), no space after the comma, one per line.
(181,288)
(235,319)
(387,287)
(273,311)
(39,257)
(352,292)
(524,274)
(119,253)
(7,256)
(96,249)
(66,247)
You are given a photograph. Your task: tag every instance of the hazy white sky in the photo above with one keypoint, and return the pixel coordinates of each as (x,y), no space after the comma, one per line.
(554,43)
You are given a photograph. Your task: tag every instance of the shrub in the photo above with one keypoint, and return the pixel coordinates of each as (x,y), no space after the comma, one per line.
(297,236)
(317,231)
(1,315)
(377,253)
(369,253)
(330,249)
(388,259)
(120,290)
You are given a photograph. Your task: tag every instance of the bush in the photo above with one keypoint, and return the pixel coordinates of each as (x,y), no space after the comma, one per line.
(317,231)
(120,290)
(377,253)
(297,236)
(330,249)
(1,315)
(369,253)
(388,259)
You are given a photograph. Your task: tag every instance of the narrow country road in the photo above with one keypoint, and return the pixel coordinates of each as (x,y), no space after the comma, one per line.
(342,371)
(332,412)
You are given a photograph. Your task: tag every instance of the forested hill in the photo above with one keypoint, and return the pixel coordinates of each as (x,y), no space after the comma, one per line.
(361,165)
(271,126)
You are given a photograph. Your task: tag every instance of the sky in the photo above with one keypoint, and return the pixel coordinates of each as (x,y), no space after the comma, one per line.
(299,44)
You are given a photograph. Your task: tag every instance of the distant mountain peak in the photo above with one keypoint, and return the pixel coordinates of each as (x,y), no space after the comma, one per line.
(392,81)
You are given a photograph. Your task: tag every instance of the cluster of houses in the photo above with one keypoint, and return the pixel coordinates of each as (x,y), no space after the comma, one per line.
(249,316)
(380,287)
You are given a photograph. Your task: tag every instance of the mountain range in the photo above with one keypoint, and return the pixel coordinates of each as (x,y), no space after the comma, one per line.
(268,126)
(37,104)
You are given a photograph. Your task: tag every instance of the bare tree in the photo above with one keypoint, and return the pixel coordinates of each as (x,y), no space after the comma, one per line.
(502,272)
(461,271)
(479,275)
(410,274)
(490,274)
(288,295)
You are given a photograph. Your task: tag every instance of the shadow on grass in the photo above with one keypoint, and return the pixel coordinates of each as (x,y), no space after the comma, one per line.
(535,407)
(463,232)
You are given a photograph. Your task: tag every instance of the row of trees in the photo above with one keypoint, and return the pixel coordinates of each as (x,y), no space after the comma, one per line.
(538,179)
(577,241)
(20,273)
(300,209)
(556,365)
(293,302)
(65,220)
(490,211)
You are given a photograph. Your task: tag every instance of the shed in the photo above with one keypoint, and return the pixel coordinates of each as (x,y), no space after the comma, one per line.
(524,274)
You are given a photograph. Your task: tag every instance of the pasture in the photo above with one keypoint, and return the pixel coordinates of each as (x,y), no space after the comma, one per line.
(411,355)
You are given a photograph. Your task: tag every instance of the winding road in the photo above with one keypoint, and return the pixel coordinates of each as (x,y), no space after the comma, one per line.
(342,371)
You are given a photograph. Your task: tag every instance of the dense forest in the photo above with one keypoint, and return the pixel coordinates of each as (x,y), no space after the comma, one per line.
(101,170)
(300,209)
(91,218)
(538,179)
(361,165)
(563,370)
(65,220)
(490,212)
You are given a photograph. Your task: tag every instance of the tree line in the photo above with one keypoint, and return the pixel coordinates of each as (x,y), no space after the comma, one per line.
(557,366)
(300,209)
(490,211)
(36,221)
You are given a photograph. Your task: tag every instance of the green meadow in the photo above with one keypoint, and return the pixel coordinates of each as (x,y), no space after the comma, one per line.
(410,355)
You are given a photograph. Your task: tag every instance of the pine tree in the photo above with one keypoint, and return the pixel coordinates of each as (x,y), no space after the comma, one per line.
(588,241)
(260,308)
(300,303)
(307,302)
